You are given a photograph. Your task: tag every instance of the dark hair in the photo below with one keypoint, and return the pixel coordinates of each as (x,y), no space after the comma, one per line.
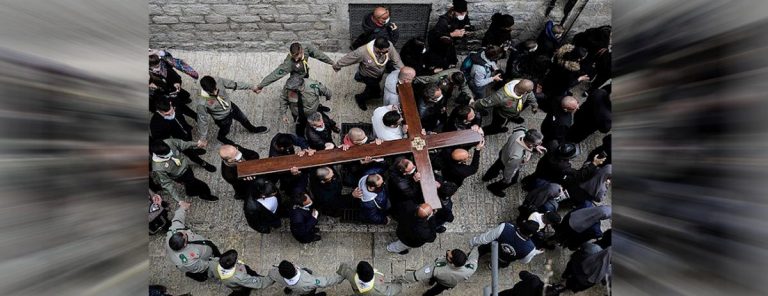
(458,257)
(447,189)
(177,241)
(429,90)
(154,60)
(499,20)
(364,271)
(158,147)
(295,48)
(533,136)
(460,5)
(163,105)
(372,179)
(284,141)
(299,197)
(528,228)
(493,52)
(576,54)
(208,84)
(228,259)
(552,218)
(391,118)
(262,187)
(402,164)
(458,78)
(463,111)
(381,43)
(286,269)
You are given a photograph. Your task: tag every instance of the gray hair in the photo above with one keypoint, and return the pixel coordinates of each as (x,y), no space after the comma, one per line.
(315,117)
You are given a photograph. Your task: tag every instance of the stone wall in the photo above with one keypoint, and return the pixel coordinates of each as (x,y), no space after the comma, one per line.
(270,25)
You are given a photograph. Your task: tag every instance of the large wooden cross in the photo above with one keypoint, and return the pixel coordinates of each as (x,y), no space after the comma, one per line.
(416,144)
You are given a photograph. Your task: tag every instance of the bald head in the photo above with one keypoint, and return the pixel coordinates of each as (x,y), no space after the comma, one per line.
(406,75)
(424,211)
(381,14)
(228,153)
(460,155)
(569,104)
(523,87)
(357,135)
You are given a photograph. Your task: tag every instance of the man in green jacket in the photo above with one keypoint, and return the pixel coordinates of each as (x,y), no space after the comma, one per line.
(236,275)
(296,64)
(301,281)
(215,101)
(169,165)
(507,103)
(302,97)
(190,252)
(367,281)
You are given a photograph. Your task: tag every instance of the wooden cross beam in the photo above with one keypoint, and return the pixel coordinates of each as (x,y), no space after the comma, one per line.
(416,144)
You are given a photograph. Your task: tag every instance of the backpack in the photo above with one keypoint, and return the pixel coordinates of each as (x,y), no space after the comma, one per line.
(471,59)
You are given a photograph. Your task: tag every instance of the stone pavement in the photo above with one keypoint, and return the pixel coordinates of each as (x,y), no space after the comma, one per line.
(223,222)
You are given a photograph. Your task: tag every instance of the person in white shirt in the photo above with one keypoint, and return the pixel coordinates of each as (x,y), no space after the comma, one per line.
(388,123)
(395,78)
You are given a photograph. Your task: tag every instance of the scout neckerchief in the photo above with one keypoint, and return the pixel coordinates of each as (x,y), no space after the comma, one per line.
(369,47)
(366,286)
(165,158)
(303,62)
(223,103)
(227,273)
(509,89)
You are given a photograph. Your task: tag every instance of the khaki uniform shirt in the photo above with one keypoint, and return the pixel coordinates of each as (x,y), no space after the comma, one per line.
(296,68)
(239,279)
(379,287)
(442,76)
(445,273)
(219,107)
(310,95)
(307,282)
(505,103)
(164,172)
(513,155)
(193,257)
(368,66)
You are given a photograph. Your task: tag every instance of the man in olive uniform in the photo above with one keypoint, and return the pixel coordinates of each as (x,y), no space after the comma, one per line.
(190,252)
(367,281)
(302,97)
(169,164)
(446,272)
(507,103)
(215,101)
(296,64)
(373,58)
(300,281)
(453,84)
(236,275)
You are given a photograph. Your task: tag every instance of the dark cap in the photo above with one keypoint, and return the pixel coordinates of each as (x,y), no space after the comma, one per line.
(460,5)
(567,151)
(286,269)
(364,271)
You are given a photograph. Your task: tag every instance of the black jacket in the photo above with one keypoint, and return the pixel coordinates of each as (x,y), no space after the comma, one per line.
(258,217)
(371,31)
(326,195)
(559,171)
(556,125)
(402,188)
(455,123)
(302,224)
(456,173)
(442,51)
(593,115)
(229,173)
(316,140)
(414,231)
(177,128)
(529,285)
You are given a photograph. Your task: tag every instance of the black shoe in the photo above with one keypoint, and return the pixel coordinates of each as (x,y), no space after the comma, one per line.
(487,177)
(404,252)
(210,198)
(238,197)
(360,100)
(440,229)
(209,167)
(259,130)
(287,290)
(316,238)
(495,191)
(198,151)
(323,109)
(335,129)
(316,230)
(517,120)
(320,294)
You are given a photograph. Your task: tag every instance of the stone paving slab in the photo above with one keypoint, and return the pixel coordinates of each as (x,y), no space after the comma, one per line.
(223,222)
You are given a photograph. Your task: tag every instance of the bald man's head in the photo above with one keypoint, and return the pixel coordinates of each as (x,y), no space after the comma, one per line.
(406,75)
(424,211)
(460,155)
(381,14)
(524,86)
(569,104)
(357,136)
(229,153)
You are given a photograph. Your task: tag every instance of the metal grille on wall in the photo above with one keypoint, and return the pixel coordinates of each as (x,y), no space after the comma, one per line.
(411,19)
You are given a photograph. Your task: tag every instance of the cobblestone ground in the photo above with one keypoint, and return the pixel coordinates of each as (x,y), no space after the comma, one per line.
(475,208)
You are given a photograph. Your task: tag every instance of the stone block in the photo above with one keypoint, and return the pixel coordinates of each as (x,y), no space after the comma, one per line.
(182,27)
(180,36)
(247,26)
(157,37)
(172,9)
(213,27)
(195,19)
(197,9)
(204,36)
(158,28)
(225,36)
(297,26)
(165,20)
(245,18)
(215,19)
(233,10)
(155,10)
(268,18)
(214,1)
(293,9)
(182,1)
(320,26)
(252,36)
(282,36)
(284,18)
(321,9)
(312,35)
(271,27)
(262,10)
(244,1)
(307,18)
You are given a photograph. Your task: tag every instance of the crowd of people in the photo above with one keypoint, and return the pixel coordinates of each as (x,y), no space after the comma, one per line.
(451,94)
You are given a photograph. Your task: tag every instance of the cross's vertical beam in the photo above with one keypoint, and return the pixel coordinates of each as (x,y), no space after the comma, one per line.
(420,157)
